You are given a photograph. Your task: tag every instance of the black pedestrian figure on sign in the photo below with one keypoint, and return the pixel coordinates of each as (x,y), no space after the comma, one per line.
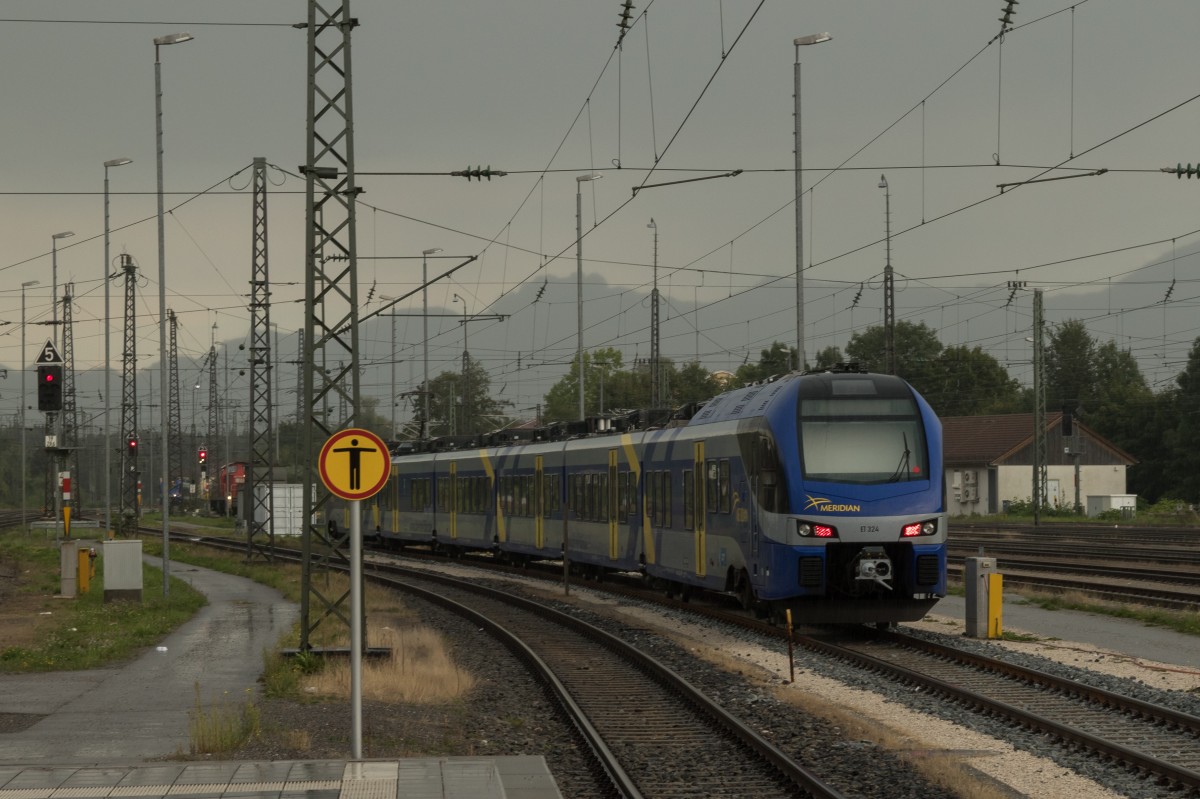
(355,452)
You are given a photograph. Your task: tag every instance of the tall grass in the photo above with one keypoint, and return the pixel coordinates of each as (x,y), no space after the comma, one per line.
(419,671)
(222,726)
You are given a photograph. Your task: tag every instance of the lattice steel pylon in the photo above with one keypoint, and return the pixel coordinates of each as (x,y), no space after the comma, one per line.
(299,362)
(174,411)
(70,412)
(260,468)
(129,509)
(330,295)
(214,410)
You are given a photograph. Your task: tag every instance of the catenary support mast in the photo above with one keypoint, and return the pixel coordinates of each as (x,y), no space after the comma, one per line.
(330,296)
(258,500)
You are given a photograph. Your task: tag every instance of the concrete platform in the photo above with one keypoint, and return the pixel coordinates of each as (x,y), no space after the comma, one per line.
(1120,635)
(423,778)
(90,733)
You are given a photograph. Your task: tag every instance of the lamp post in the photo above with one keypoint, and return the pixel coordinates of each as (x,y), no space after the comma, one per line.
(66,234)
(107,356)
(816,38)
(579,181)
(655,354)
(425,337)
(159,42)
(466,350)
(889,290)
(24,286)
(392,401)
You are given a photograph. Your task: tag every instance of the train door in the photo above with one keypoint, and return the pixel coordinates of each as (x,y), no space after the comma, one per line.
(701,515)
(752,504)
(611,499)
(539,502)
(453,504)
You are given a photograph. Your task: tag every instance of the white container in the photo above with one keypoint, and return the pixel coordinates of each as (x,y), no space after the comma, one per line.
(123,569)
(1099,503)
(287,507)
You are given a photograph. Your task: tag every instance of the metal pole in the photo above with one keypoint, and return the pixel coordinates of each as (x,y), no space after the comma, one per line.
(107,369)
(815,38)
(579,287)
(356,627)
(162,314)
(164,415)
(579,181)
(425,346)
(655,352)
(889,286)
(24,368)
(395,432)
(799,217)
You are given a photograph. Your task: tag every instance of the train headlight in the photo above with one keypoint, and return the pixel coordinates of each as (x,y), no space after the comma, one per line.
(928,527)
(815,530)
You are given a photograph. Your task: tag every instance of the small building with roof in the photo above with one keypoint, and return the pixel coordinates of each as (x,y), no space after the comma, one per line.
(989,462)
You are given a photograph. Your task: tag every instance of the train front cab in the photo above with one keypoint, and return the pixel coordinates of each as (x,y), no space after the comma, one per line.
(849,498)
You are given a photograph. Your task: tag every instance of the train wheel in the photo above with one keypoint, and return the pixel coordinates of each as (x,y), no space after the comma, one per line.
(746,594)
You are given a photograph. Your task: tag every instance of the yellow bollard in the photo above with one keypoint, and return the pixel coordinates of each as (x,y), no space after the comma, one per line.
(995,605)
(85,570)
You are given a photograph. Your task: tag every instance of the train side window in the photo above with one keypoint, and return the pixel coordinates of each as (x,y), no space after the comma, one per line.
(665,492)
(689,501)
(602,496)
(649,498)
(725,487)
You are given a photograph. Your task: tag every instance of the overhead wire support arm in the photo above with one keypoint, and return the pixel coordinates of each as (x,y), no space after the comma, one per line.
(1092,174)
(732,174)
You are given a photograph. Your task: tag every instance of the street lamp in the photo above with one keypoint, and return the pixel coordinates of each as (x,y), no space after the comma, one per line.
(24,286)
(66,234)
(579,181)
(159,42)
(466,351)
(425,337)
(655,353)
(816,38)
(107,355)
(392,401)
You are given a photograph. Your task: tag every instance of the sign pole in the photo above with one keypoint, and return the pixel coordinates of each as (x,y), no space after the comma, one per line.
(356,631)
(355,464)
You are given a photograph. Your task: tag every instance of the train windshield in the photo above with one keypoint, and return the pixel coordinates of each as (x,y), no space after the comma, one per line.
(862,431)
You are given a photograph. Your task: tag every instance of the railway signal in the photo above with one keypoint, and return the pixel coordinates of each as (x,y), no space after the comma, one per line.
(131,446)
(202,456)
(50,392)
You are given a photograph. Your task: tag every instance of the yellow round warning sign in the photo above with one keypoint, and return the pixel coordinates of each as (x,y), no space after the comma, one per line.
(354,463)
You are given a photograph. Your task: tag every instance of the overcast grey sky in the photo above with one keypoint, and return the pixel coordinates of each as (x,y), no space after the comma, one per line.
(920,91)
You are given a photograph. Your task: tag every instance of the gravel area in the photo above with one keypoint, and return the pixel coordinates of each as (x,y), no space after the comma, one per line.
(870,737)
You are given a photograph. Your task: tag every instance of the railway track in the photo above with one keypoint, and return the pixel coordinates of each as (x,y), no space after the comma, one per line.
(1162,575)
(1157,742)
(652,734)
(1119,731)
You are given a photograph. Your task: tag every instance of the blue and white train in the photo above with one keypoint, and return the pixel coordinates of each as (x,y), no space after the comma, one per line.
(818,492)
